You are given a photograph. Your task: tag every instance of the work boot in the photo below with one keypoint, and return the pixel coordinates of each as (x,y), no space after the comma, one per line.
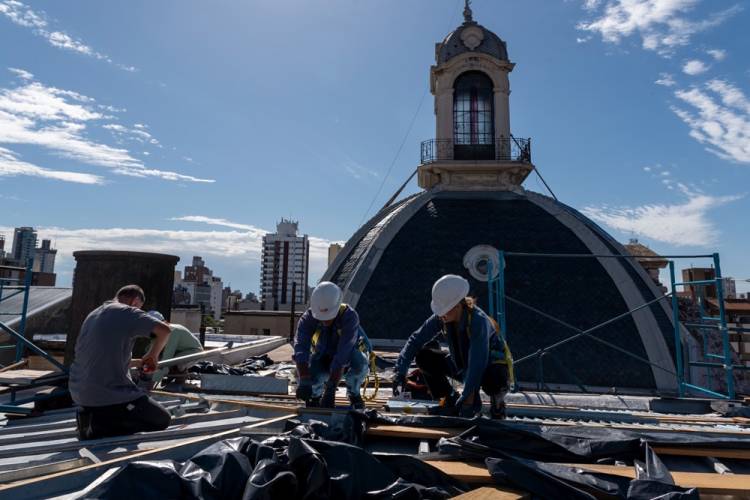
(83,425)
(357,402)
(313,402)
(497,407)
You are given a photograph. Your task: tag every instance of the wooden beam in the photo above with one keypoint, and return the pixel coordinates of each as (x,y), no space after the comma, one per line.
(741,454)
(707,483)
(405,432)
(14,365)
(493,493)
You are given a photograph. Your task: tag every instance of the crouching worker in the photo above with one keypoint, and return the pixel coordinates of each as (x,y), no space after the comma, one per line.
(111,404)
(329,344)
(479,357)
(181,342)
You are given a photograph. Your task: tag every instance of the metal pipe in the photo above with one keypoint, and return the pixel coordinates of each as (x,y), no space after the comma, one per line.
(728,370)
(718,365)
(30,345)
(677,335)
(24,309)
(706,391)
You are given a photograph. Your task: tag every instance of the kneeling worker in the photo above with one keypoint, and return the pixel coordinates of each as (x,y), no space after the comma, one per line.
(112,405)
(181,343)
(479,357)
(329,344)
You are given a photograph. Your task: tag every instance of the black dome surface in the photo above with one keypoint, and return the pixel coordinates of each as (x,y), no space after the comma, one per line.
(388,267)
(453,46)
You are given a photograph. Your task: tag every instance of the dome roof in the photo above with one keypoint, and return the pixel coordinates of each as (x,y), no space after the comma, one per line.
(388,267)
(471,37)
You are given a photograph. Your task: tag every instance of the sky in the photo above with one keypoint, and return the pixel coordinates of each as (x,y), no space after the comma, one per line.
(191,127)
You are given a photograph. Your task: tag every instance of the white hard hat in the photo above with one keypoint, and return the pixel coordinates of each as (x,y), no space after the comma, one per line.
(325,301)
(447,292)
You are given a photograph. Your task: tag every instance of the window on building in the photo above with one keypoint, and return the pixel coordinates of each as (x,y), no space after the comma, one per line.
(473,117)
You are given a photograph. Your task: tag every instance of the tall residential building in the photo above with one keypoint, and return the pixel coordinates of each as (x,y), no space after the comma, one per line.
(2,247)
(333,251)
(200,287)
(44,258)
(24,245)
(286,257)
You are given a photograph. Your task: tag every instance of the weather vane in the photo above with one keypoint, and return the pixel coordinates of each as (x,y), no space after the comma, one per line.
(467,12)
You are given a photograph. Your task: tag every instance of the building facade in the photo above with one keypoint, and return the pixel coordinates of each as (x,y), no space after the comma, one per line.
(199,287)
(284,266)
(44,258)
(333,251)
(24,245)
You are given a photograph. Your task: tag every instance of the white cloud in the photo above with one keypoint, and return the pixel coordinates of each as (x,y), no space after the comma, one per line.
(58,120)
(663,25)
(23,15)
(694,67)
(216,222)
(681,224)
(11,166)
(239,245)
(717,54)
(666,79)
(22,73)
(720,119)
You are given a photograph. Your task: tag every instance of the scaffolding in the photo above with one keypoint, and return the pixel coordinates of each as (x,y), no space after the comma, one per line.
(9,288)
(498,297)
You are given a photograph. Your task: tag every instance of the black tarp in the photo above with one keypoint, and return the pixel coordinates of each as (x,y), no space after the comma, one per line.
(292,465)
(250,366)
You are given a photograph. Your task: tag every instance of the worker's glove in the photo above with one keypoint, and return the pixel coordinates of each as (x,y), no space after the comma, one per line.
(329,396)
(399,383)
(304,389)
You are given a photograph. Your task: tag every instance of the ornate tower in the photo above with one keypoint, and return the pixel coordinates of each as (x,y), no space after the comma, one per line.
(474,148)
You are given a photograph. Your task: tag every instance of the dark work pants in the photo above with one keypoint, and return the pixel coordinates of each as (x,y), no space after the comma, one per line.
(142,414)
(436,367)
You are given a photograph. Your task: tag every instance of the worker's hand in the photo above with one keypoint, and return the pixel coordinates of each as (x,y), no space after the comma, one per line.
(399,383)
(329,396)
(304,389)
(149,363)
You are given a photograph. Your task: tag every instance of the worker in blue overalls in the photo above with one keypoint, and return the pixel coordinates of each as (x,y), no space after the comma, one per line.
(478,354)
(330,344)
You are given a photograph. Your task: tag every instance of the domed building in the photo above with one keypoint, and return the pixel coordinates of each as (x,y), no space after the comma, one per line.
(472,203)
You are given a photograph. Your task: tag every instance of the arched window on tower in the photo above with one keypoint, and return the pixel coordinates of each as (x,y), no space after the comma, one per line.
(473,117)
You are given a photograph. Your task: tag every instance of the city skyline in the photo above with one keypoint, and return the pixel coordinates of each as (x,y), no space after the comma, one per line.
(150,142)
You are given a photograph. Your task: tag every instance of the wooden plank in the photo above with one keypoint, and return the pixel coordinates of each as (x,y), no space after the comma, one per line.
(493,493)
(67,478)
(708,483)
(24,376)
(406,432)
(14,366)
(741,454)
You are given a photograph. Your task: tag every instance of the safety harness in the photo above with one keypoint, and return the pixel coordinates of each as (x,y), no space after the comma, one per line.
(499,354)
(364,345)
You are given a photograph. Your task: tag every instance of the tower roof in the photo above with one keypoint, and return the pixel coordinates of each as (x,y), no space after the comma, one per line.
(471,37)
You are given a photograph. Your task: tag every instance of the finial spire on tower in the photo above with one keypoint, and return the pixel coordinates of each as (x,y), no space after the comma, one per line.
(467,12)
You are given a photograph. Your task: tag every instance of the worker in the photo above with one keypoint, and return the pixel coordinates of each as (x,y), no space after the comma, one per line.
(181,343)
(478,355)
(329,344)
(111,404)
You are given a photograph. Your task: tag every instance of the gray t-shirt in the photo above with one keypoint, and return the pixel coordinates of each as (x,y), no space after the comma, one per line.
(99,375)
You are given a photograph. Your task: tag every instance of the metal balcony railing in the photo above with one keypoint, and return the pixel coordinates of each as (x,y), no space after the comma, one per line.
(501,149)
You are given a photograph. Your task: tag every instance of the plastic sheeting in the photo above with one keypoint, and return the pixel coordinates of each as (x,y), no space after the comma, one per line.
(250,366)
(291,465)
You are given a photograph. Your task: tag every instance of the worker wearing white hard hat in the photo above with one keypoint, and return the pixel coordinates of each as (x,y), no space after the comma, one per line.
(330,344)
(478,355)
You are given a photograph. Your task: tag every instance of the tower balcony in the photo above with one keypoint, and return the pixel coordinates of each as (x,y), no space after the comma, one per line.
(501,164)
(502,149)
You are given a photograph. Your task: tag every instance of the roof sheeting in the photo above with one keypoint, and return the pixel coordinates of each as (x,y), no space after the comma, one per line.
(40,299)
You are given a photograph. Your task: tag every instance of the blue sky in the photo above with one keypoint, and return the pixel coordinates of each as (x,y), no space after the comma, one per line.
(191,127)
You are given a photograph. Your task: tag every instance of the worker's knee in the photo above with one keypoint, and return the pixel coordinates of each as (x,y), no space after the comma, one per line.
(151,415)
